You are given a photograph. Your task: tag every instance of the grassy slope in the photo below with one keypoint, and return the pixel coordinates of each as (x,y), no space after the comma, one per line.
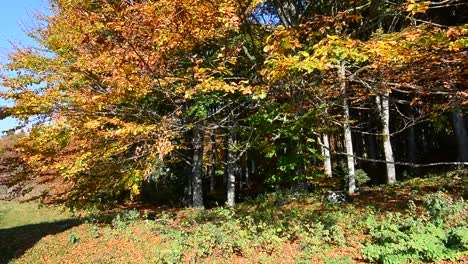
(274,228)
(14,214)
(23,224)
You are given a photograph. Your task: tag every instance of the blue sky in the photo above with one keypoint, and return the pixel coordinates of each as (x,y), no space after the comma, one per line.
(15,16)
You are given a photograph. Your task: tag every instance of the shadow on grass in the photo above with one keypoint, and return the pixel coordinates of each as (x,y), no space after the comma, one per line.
(16,241)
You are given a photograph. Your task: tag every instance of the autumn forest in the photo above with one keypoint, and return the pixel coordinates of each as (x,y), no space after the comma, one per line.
(237,131)
(197,103)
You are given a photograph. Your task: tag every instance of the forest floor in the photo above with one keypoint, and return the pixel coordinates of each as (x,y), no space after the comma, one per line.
(423,220)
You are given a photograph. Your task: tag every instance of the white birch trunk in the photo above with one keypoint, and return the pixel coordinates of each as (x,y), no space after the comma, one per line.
(347,132)
(326,155)
(383,104)
(231,167)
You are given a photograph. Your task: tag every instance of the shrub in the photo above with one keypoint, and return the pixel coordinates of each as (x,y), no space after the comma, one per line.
(399,239)
(441,207)
(73,238)
(122,220)
(361,177)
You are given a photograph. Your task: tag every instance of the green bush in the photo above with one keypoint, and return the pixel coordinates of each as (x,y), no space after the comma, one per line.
(73,238)
(440,207)
(341,171)
(122,220)
(458,238)
(399,239)
(216,233)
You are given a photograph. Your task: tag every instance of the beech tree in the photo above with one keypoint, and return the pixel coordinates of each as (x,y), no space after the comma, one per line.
(120,91)
(114,79)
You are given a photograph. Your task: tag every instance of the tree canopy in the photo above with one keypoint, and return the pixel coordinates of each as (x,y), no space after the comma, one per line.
(122,94)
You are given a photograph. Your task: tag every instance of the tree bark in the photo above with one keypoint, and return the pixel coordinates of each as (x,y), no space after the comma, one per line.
(412,147)
(461,134)
(301,185)
(231,168)
(197,167)
(246,170)
(383,104)
(347,131)
(213,164)
(358,147)
(371,147)
(326,155)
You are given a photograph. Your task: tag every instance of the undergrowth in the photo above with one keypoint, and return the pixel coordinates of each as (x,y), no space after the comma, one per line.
(280,227)
(438,233)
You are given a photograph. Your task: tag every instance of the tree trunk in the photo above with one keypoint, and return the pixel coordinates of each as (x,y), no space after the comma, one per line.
(347,132)
(383,104)
(197,163)
(213,164)
(412,147)
(253,165)
(301,185)
(371,147)
(358,148)
(188,194)
(461,134)
(246,171)
(231,168)
(326,155)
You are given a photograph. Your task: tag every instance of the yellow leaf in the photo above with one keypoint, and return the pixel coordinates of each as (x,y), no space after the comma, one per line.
(410,7)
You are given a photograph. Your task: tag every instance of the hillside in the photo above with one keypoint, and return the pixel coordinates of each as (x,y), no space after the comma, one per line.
(422,220)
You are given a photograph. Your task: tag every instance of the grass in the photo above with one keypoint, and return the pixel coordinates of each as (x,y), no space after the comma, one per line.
(13,214)
(22,225)
(274,228)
